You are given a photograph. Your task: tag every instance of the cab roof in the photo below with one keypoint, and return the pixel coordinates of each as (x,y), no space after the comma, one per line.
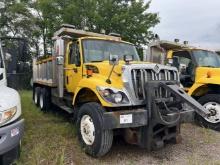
(169,45)
(175,46)
(69,30)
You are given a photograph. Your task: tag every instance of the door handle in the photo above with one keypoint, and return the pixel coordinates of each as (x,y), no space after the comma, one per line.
(75,70)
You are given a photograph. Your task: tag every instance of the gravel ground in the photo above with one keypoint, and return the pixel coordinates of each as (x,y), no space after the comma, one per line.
(50,139)
(199,146)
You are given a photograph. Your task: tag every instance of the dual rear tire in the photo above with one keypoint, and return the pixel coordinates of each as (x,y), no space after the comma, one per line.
(42,98)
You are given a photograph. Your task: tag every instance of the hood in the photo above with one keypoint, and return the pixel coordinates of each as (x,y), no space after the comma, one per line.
(8,98)
(102,70)
(208,75)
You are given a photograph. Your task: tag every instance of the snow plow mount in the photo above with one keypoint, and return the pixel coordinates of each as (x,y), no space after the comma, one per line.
(167,107)
(167,100)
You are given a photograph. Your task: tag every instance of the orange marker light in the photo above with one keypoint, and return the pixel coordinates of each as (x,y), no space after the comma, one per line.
(89,72)
(209,74)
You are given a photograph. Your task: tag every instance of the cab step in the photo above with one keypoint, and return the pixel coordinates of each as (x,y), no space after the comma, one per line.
(67,109)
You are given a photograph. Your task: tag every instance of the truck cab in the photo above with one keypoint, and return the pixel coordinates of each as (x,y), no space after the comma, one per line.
(11,124)
(199,71)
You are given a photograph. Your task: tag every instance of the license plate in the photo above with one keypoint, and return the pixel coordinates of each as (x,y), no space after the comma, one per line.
(14,132)
(126,119)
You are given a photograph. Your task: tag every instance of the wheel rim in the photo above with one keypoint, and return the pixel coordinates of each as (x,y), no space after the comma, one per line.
(35,97)
(214,108)
(87,129)
(41,101)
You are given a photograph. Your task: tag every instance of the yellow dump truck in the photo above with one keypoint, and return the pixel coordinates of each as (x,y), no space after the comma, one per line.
(199,71)
(100,80)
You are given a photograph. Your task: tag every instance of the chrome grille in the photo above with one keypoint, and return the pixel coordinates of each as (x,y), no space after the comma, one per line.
(141,76)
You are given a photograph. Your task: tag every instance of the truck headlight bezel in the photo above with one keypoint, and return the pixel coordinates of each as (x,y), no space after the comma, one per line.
(113,95)
(7,115)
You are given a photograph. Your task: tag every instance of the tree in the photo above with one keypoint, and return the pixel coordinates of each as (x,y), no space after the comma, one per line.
(47,19)
(39,19)
(16,20)
(127,17)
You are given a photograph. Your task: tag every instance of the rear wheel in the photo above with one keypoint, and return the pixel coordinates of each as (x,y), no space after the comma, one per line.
(36,95)
(212,103)
(45,99)
(93,138)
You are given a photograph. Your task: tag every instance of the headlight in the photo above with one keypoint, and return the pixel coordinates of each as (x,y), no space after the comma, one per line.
(113,95)
(7,115)
(117,97)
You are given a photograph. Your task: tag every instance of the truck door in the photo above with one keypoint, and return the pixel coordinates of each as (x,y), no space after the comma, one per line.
(73,69)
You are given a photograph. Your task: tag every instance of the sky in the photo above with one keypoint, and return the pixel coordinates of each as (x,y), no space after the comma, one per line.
(196,21)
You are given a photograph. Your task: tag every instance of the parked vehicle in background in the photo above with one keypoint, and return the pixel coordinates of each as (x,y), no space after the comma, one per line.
(11,124)
(199,71)
(19,69)
(100,80)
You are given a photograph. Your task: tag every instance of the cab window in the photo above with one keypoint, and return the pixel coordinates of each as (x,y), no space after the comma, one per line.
(186,67)
(74,57)
(184,61)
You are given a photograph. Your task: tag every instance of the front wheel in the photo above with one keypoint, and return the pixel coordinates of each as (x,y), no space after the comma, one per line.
(212,103)
(93,138)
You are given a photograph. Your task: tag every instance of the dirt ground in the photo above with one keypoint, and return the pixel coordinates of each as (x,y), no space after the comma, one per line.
(51,139)
(199,146)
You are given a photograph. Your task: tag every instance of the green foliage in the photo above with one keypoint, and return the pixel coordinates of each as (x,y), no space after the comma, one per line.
(17,20)
(127,17)
(41,18)
(14,19)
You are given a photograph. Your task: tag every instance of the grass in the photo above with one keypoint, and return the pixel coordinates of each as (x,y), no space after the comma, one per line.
(50,139)
(47,135)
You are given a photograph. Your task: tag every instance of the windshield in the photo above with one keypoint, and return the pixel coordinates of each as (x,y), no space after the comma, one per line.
(206,58)
(100,50)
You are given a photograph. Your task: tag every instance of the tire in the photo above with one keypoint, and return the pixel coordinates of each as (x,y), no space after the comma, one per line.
(36,95)
(11,156)
(210,101)
(44,99)
(101,141)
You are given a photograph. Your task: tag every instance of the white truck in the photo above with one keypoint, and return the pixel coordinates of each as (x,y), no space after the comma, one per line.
(11,124)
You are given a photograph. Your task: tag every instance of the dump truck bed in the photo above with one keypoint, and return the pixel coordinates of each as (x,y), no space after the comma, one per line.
(44,71)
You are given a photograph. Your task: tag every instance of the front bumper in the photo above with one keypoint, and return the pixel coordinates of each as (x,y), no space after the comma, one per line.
(10,136)
(136,118)
(125,119)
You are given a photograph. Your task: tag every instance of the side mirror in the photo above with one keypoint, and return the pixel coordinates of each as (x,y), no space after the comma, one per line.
(3,44)
(170,61)
(78,58)
(176,62)
(59,60)
(128,58)
(8,57)
(182,68)
(113,60)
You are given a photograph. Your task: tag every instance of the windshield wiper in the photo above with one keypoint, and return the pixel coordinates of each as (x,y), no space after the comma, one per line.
(210,66)
(96,61)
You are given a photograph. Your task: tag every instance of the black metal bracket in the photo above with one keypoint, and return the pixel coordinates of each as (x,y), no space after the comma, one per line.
(184,97)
